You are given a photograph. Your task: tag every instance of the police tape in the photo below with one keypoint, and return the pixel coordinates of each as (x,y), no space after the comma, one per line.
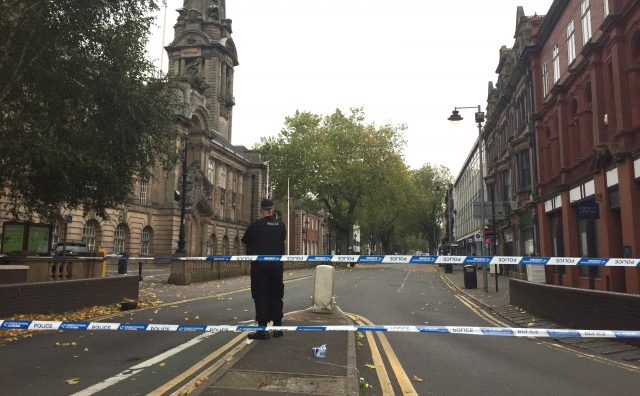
(485,331)
(390,259)
(402,259)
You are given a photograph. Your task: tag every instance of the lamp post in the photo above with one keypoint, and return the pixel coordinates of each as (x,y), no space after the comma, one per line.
(182,197)
(435,237)
(305,231)
(479,118)
(448,268)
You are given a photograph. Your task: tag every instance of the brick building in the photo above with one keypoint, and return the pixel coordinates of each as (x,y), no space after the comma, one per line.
(224,182)
(586,79)
(510,144)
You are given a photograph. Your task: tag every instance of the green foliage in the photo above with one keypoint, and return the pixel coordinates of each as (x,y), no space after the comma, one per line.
(339,161)
(429,207)
(81,115)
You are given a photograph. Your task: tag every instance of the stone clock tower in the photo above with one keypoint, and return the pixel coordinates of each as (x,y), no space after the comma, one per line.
(203,55)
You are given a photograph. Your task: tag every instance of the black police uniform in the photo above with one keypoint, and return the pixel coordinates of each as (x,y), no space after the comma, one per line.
(266,237)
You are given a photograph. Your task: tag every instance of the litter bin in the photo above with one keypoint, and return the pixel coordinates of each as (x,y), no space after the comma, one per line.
(122,263)
(448,268)
(470,278)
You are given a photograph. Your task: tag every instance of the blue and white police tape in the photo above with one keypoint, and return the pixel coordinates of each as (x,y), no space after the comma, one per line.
(398,259)
(401,259)
(485,331)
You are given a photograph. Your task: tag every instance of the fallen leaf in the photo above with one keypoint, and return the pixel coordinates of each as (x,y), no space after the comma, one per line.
(369,365)
(531,324)
(73,381)
(416,378)
(359,344)
(162,364)
(86,349)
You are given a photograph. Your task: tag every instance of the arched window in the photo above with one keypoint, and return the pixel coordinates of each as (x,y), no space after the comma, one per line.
(56,232)
(225,246)
(236,246)
(119,238)
(211,170)
(145,240)
(89,232)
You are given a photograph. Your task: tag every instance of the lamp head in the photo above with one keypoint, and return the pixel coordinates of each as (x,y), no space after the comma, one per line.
(455,116)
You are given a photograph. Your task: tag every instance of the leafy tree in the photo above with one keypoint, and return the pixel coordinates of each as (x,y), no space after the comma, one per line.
(81,116)
(382,215)
(337,160)
(429,206)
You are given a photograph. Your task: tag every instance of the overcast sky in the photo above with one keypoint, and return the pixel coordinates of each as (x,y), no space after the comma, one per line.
(405,61)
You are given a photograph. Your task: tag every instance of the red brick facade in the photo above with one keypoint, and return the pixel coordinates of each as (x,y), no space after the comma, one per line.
(587,125)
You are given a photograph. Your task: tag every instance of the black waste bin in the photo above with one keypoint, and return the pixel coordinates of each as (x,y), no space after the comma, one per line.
(123,260)
(448,268)
(470,278)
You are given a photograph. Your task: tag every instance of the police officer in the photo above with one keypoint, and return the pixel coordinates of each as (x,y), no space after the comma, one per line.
(266,236)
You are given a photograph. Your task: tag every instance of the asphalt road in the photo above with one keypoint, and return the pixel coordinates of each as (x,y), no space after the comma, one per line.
(133,363)
(450,364)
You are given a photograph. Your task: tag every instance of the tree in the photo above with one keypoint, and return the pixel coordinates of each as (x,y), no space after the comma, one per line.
(338,160)
(429,210)
(81,115)
(383,214)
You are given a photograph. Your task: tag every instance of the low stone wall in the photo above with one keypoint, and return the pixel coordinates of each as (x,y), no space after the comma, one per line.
(13,274)
(184,272)
(577,308)
(43,269)
(66,295)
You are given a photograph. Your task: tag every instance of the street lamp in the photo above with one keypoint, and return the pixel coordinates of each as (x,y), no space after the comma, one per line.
(181,196)
(305,231)
(455,117)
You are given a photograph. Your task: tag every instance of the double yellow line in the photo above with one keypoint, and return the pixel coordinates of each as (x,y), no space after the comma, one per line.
(235,346)
(385,382)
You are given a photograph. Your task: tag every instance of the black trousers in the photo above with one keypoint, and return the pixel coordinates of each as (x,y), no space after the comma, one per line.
(267,291)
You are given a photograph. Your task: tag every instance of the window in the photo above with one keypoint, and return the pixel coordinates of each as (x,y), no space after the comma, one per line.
(55,235)
(119,239)
(144,187)
(89,235)
(557,240)
(211,168)
(606,7)
(524,170)
(223,176)
(586,21)
(225,246)
(545,78)
(587,243)
(505,187)
(145,240)
(556,63)
(571,43)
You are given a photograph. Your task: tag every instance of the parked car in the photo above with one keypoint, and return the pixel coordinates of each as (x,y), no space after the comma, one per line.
(71,249)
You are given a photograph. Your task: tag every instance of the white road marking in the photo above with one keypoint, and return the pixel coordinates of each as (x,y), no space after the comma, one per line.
(405,279)
(141,366)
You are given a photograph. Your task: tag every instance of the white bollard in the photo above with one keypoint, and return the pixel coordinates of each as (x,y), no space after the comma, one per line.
(323,288)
